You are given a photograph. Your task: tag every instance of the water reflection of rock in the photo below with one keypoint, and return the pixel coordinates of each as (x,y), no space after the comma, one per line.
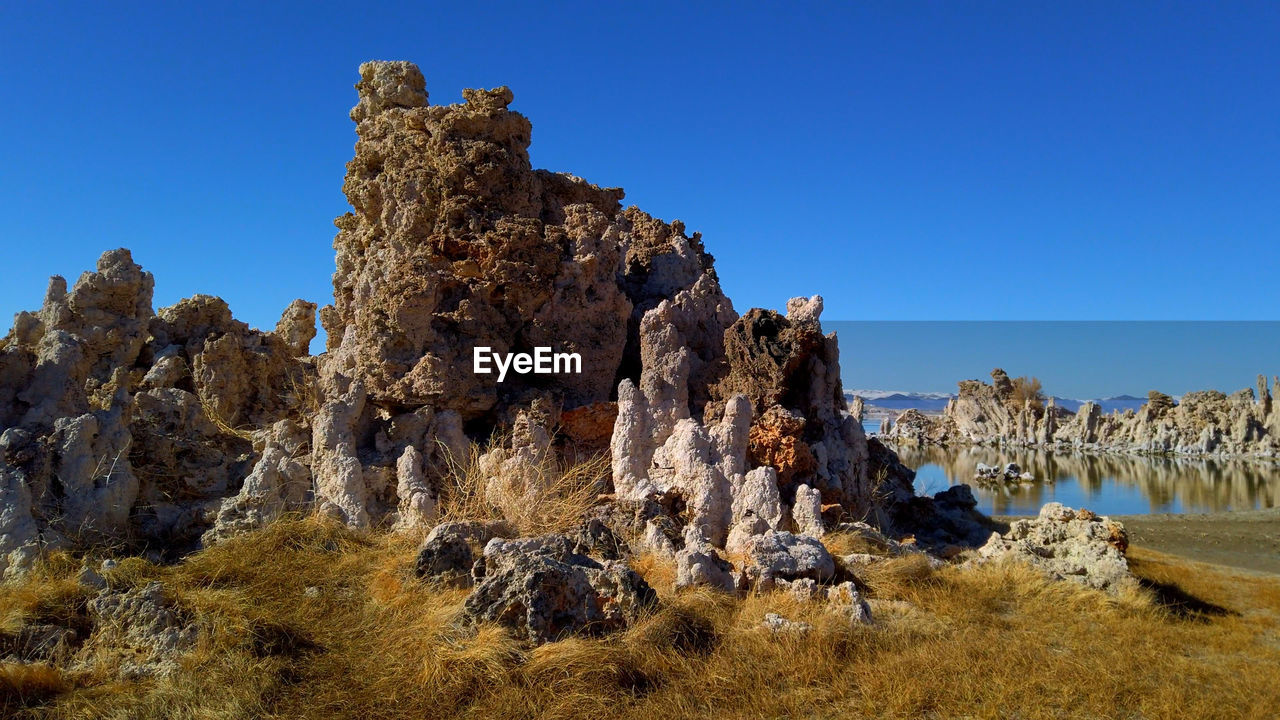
(1192,484)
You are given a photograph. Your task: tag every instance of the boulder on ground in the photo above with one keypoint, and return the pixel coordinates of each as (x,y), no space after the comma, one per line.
(544,589)
(1068,545)
(698,563)
(451,548)
(149,630)
(782,555)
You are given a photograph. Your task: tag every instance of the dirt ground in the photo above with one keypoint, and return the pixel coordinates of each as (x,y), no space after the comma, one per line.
(1245,539)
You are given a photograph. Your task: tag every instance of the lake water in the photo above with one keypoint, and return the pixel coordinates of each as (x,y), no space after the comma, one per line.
(1108,484)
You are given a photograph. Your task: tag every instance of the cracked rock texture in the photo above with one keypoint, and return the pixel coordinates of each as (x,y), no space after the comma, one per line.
(1067,544)
(545,588)
(120,424)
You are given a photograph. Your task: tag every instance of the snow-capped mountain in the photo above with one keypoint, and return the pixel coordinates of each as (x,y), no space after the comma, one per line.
(926,402)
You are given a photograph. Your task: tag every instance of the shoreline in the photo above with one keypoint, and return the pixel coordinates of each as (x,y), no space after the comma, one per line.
(1096,451)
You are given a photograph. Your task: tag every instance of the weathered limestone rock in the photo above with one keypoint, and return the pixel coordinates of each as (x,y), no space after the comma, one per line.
(948,519)
(662,265)
(150,632)
(543,589)
(19,533)
(806,512)
(589,428)
(778,625)
(782,555)
(280,482)
(994,474)
(658,448)
(812,441)
(757,507)
(644,523)
(417,497)
(846,599)
(126,425)
(297,327)
(456,242)
(1067,544)
(777,439)
(857,408)
(339,477)
(522,469)
(916,427)
(790,371)
(843,598)
(698,563)
(450,549)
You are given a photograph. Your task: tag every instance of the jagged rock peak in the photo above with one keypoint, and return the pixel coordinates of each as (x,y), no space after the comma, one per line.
(455,241)
(388,84)
(120,424)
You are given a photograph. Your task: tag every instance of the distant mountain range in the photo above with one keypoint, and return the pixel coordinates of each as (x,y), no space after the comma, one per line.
(924,402)
(934,403)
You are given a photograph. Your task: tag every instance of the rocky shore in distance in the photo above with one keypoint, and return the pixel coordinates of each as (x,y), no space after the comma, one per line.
(1206,423)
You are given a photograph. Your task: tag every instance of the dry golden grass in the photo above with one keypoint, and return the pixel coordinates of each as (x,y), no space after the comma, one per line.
(564,492)
(215,416)
(374,643)
(23,685)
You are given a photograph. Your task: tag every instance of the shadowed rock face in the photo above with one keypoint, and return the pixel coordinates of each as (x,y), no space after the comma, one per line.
(790,372)
(120,425)
(1203,423)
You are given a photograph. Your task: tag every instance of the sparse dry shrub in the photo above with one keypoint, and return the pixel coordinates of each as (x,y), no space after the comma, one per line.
(898,577)
(844,543)
(1027,389)
(215,416)
(303,392)
(565,492)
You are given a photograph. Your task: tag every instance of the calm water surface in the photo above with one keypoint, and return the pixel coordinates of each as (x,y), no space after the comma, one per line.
(1106,484)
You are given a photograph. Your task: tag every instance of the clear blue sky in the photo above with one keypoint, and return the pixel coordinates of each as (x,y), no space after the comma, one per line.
(1081,360)
(907,160)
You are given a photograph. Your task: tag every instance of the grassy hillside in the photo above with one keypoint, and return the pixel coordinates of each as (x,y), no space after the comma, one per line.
(368,640)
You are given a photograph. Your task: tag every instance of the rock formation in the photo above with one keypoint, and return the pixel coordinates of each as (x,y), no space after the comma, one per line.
(544,588)
(171,429)
(1202,423)
(1067,544)
(124,425)
(455,242)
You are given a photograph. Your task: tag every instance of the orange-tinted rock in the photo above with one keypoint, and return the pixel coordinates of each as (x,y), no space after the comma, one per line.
(588,428)
(776,439)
